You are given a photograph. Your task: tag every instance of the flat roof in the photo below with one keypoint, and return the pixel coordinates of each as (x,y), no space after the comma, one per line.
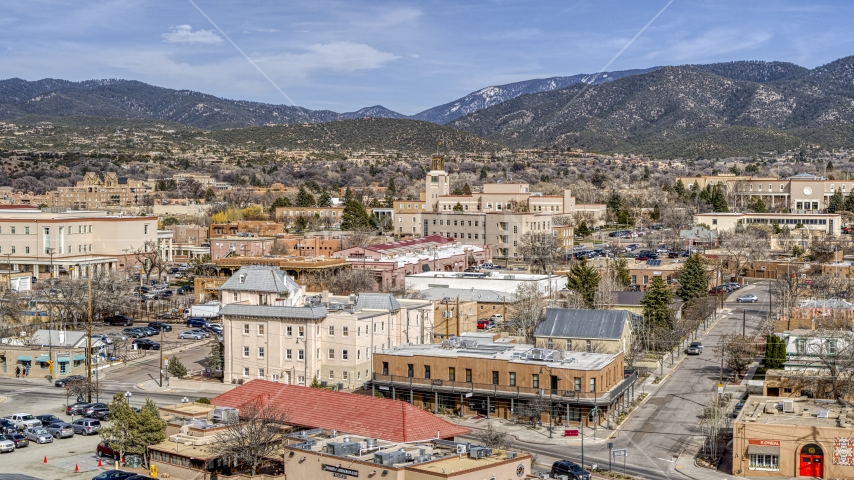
(819,413)
(482,346)
(499,276)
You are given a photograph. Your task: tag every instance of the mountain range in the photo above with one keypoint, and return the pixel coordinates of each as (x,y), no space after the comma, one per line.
(130,99)
(736,108)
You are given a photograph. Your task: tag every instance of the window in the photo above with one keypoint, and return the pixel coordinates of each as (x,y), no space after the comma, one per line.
(535,380)
(27,230)
(146,229)
(12,230)
(300,331)
(332,330)
(592,384)
(760,461)
(260,352)
(452,374)
(332,375)
(468,375)
(234,296)
(245,371)
(375,327)
(358,354)
(359,375)
(26,249)
(300,354)
(289,331)
(802,345)
(246,351)
(246,329)
(512,379)
(260,373)
(344,355)
(831,347)
(331,354)
(260,329)
(289,354)
(382,324)
(494,377)
(385,368)
(345,332)
(426,371)
(410,370)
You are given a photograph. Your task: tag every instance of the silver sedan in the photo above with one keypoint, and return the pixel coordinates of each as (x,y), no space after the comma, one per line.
(60,430)
(192,335)
(7,445)
(38,435)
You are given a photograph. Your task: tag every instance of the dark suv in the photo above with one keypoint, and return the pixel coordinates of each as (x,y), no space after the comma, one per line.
(572,470)
(122,320)
(160,326)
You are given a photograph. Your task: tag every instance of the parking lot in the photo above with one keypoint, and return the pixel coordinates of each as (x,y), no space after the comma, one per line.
(63,455)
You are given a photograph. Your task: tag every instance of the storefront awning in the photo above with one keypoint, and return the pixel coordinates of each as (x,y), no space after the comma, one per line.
(63,359)
(79,357)
(763,450)
(25,358)
(43,358)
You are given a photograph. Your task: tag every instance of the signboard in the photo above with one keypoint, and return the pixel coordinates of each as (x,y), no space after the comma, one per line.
(153,471)
(570,432)
(720,388)
(436,382)
(468,395)
(767,443)
(620,452)
(339,472)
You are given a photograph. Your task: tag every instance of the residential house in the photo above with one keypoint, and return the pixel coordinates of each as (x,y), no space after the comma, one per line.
(602,331)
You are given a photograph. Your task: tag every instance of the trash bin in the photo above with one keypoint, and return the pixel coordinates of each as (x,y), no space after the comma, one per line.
(133,461)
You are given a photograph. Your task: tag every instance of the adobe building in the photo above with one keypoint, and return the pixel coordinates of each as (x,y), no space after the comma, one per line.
(793,437)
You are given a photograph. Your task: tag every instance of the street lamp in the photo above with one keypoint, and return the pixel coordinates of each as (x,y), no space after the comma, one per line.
(127,397)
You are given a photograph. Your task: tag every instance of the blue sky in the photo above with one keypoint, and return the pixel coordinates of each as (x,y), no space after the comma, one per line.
(407,56)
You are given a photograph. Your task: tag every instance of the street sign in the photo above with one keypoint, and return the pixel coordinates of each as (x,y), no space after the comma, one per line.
(570,432)
(468,395)
(153,471)
(720,388)
(620,452)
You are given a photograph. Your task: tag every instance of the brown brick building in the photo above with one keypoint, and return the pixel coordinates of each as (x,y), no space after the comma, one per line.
(93,193)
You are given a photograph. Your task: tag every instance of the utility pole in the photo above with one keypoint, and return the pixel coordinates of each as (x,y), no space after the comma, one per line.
(743,323)
(9,268)
(89,337)
(161,358)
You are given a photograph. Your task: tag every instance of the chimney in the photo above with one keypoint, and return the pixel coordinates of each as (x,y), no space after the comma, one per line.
(324,296)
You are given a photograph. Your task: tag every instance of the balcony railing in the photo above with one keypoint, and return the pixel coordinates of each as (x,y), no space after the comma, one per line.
(447,386)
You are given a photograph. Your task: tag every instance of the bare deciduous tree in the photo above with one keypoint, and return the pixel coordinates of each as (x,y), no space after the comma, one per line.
(527,311)
(148,258)
(741,247)
(257,437)
(359,237)
(540,250)
(345,282)
(492,437)
(738,352)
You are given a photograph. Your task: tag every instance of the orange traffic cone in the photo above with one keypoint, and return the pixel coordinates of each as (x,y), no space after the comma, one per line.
(99,462)
(76,468)
(45,459)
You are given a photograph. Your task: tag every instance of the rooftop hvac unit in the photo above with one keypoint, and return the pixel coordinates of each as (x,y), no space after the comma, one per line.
(371,443)
(461,449)
(468,343)
(511,455)
(343,448)
(390,458)
(788,406)
(771,407)
(479,452)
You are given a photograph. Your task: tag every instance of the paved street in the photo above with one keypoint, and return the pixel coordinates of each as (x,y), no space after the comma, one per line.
(659,430)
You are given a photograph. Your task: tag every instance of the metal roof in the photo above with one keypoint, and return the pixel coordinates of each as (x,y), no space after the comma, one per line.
(578,323)
(273,311)
(378,301)
(468,295)
(260,278)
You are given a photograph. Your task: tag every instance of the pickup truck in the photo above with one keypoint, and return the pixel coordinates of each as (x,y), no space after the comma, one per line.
(24,420)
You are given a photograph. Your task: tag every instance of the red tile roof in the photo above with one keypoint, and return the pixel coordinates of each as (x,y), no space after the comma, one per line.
(384,419)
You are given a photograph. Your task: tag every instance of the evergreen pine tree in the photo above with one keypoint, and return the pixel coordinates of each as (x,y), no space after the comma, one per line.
(849,202)
(656,303)
(836,202)
(348,196)
(466,189)
(621,271)
(759,206)
(176,368)
(679,188)
(210,195)
(584,280)
(305,198)
(390,193)
(775,352)
(693,279)
(149,429)
(354,215)
(315,383)
(324,200)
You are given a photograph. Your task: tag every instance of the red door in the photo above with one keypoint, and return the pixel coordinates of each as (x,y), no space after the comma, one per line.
(811,466)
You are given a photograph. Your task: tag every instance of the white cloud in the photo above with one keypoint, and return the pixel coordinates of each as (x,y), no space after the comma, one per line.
(185,34)
(335,56)
(267,30)
(710,44)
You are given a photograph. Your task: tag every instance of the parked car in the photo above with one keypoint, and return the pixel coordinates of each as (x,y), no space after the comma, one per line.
(165,293)
(76,408)
(160,326)
(482,323)
(214,327)
(733,285)
(86,426)
(38,435)
(202,331)
(571,470)
(69,379)
(191,335)
(24,420)
(694,349)
(196,322)
(48,419)
(185,289)
(6,445)
(497,318)
(7,426)
(101,414)
(115,475)
(60,430)
(132,333)
(717,291)
(105,450)
(17,438)
(749,298)
(122,320)
(738,407)
(88,411)
(146,344)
